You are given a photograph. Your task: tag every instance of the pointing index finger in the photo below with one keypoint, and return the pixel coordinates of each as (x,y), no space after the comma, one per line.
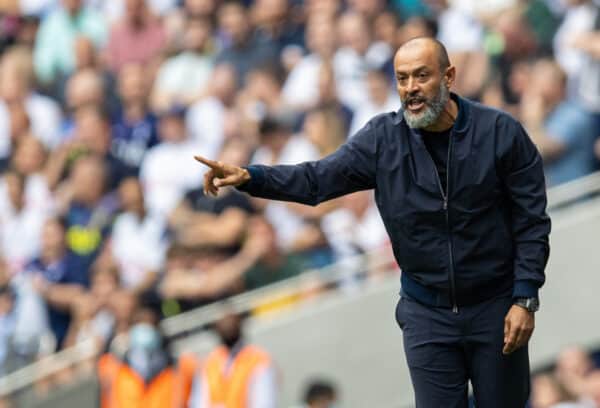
(210,163)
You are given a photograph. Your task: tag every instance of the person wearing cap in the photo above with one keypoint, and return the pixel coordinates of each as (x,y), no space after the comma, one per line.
(460,188)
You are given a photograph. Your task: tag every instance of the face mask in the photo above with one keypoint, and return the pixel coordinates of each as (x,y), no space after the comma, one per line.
(143,336)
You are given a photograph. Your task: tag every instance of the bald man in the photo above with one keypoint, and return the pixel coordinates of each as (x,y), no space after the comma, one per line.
(460,188)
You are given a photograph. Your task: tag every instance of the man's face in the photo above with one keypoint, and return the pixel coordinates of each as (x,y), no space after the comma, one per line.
(423,89)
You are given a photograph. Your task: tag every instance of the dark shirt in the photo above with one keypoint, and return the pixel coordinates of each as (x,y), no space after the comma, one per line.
(437,144)
(249,56)
(131,140)
(200,202)
(60,272)
(87,230)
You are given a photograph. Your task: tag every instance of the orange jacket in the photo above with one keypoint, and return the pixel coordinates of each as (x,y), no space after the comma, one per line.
(122,387)
(228,385)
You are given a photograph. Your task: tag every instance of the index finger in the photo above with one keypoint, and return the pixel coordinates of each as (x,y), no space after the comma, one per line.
(210,163)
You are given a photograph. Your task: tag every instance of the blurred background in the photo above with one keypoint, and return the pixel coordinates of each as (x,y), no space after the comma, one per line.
(118,275)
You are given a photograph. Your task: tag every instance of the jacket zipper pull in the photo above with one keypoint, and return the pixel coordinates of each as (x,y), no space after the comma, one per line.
(455,309)
(445,204)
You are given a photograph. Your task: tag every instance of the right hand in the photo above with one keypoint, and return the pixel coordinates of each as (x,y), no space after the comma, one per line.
(221,175)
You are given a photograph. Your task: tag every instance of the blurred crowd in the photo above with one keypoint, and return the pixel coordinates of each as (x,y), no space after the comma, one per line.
(104,103)
(574,381)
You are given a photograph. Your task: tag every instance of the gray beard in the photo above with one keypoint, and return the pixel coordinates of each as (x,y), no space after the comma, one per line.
(431,113)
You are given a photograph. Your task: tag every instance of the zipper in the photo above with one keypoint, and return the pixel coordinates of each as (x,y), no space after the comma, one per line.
(451,278)
(450,249)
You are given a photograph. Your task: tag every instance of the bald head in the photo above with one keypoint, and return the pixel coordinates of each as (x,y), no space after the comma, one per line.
(427,44)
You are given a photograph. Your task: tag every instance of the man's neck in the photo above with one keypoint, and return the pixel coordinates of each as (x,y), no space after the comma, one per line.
(446,119)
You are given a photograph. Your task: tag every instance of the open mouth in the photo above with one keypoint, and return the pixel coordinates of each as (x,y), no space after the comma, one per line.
(415,104)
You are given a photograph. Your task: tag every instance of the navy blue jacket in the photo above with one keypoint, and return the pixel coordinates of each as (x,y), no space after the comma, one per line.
(487,237)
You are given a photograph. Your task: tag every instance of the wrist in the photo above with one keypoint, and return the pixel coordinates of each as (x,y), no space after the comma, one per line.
(531,304)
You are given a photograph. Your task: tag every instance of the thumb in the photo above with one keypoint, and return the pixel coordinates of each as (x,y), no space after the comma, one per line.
(227,181)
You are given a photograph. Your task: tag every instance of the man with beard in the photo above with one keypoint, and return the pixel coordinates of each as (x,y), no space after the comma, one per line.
(460,189)
(235,374)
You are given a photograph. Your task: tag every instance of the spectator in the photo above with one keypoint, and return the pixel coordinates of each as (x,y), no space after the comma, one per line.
(202,220)
(235,373)
(355,228)
(56,277)
(563,132)
(134,130)
(205,120)
(301,88)
(92,134)
(91,312)
(355,57)
(575,48)
(168,170)
(212,274)
(21,108)
(320,394)
(21,222)
(183,78)
(242,48)
(573,366)
(164,383)
(138,241)
(88,213)
(138,37)
(380,99)
(54,45)
(547,392)
(272,265)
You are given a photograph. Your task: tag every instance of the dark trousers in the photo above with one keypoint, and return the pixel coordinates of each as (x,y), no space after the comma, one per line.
(444,350)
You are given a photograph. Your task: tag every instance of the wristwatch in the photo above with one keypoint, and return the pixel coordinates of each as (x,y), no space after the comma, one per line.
(530,304)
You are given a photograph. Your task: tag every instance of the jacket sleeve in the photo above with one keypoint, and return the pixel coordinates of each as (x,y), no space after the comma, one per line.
(523,179)
(350,168)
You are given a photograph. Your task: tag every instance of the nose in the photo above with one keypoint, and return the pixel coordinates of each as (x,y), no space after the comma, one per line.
(412,85)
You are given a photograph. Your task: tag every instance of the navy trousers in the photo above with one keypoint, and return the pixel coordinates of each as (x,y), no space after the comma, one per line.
(446,350)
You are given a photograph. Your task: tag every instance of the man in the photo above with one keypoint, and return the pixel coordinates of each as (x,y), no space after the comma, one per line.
(235,374)
(460,188)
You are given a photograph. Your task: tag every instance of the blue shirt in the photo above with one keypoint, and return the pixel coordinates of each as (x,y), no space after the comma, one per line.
(86,232)
(574,128)
(131,140)
(61,272)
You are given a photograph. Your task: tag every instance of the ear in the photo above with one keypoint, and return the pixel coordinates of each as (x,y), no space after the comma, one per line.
(450,76)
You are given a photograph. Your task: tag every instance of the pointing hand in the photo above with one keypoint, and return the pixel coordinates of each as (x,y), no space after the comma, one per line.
(221,175)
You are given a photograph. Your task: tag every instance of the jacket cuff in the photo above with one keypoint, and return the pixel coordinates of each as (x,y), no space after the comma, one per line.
(525,289)
(257,179)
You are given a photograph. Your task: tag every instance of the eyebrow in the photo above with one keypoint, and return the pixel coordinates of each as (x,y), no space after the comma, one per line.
(415,71)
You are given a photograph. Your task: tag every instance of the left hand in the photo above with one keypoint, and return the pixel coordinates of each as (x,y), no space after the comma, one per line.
(518,328)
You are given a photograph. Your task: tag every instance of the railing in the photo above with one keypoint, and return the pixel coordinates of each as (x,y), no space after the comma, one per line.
(558,197)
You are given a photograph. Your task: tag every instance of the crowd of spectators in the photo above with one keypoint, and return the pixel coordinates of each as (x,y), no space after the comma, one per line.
(573,382)
(103,104)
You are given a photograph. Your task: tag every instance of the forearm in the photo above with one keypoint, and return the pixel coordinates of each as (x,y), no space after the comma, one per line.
(61,296)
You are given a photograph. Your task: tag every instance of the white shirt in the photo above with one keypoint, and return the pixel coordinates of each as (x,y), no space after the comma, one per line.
(45,117)
(470,36)
(351,69)
(184,74)
(578,20)
(204,122)
(301,88)
(349,235)
(20,232)
(369,109)
(138,246)
(286,222)
(168,171)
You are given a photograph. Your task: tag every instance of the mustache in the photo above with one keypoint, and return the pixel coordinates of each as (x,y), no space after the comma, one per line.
(414,98)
